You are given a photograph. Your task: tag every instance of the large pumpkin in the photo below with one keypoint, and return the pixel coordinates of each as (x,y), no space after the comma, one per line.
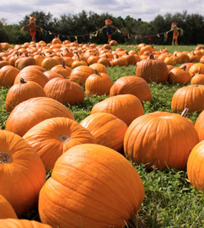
(179,76)
(64,91)
(195,166)
(152,70)
(6,210)
(52,137)
(33,111)
(21,223)
(132,85)
(22,172)
(107,129)
(161,139)
(126,107)
(21,92)
(91,186)
(190,97)
(199,126)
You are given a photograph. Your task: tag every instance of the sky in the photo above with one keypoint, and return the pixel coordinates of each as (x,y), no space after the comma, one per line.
(15,10)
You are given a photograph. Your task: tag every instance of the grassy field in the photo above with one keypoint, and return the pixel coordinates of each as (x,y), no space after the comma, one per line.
(170,200)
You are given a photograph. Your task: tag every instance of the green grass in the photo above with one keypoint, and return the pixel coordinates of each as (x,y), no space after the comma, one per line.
(170,200)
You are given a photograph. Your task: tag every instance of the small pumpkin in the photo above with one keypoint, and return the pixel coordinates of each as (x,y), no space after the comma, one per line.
(19,223)
(179,76)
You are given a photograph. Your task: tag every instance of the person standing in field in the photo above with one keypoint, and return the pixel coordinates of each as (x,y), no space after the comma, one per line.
(175,31)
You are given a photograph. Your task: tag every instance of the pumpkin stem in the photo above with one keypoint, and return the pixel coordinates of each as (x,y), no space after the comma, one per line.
(64,138)
(22,81)
(96,72)
(4,158)
(0,58)
(134,222)
(151,56)
(185,111)
(183,67)
(63,64)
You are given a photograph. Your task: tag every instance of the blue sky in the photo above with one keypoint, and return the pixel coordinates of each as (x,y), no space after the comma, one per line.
(15,11)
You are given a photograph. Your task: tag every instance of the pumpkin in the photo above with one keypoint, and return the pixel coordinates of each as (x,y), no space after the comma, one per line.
(199,126)
(52,74)
(132,85)
(64,91)
(126,107)
(179,76)
(22,92)
(107,129)
(65,71)
(22,172)
(20,223)
(6,210)
(161,139)
(8,75)
(80,74)
(188,97)
(195,166)
(87,189)
(187,66)
(52,137)
(49,63)
(98,83)
(34,75)
(152,70)
(26,61)
(33,111)
(100,68)
(197,68)
(198,79)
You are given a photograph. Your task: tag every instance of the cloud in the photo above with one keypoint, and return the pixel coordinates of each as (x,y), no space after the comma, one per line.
(15,11)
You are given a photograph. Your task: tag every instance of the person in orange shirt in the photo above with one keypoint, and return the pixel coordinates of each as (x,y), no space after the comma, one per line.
(175,31)
(32,27)
(110,27)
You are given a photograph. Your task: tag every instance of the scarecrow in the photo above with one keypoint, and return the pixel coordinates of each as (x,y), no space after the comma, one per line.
(32,27)
(110,27)
(175,30)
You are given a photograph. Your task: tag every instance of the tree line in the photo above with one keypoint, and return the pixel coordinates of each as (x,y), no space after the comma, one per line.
(133,31)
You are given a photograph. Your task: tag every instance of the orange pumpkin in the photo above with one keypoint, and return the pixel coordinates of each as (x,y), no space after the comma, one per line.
(64,91)
(33,111)
(132,85)
(195,166)
(107,129)
(21,92)
(34,75)
(64,70)
(99,68)
(49,63)
(161,139)
(52,137)
(52,74)
(197,68)
(20,223)
(80,74)
(90,190)
(152,70)
(26,61)
(179,76)
(188,97)
(22,172)
(6,210)
(8,75)
(199,126)
(126,107)
(98,83)
(198,79)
